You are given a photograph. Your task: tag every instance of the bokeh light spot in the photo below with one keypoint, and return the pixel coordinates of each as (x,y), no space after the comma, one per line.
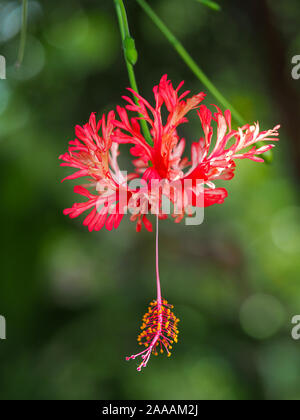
(33,63)
(286,230)
(11,18)
(261,316)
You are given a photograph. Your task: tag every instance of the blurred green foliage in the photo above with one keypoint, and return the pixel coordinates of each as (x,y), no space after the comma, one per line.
(73,299)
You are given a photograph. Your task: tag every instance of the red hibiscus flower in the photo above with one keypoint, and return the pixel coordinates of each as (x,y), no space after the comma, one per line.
(110,195)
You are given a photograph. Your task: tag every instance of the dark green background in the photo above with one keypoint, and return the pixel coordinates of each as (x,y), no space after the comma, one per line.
(73,300)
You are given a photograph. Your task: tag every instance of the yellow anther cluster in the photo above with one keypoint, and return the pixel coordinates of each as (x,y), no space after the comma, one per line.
(159,327)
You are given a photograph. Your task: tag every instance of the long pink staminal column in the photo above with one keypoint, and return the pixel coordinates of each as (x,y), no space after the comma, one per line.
(159,323)
(158,288)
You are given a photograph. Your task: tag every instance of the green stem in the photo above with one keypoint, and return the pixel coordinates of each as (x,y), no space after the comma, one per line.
(190,62)
(125,35)
(23,34)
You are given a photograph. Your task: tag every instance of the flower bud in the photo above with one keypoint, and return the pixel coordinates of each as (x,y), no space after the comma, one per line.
(130,50)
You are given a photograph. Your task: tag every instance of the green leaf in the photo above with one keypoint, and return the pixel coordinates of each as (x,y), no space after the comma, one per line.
(211,4)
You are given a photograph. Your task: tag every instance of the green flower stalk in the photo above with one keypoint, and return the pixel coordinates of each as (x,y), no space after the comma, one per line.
(131,57)
(23,34)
